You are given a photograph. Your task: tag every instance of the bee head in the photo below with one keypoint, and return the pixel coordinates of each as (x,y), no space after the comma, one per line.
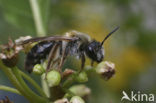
(95,51)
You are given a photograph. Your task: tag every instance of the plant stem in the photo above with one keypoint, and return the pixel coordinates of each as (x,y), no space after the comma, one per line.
(34,96)
(33,83)
(14,81)
(45,86)
(13,90)
(37,17)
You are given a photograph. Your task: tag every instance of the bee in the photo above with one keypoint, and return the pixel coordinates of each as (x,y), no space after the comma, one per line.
(57,48)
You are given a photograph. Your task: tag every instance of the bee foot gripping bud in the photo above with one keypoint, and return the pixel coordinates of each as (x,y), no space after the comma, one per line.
(53,78)
(76,99)
(38,69)
(106,69)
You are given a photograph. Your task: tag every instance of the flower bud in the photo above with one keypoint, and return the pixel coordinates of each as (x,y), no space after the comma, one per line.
(80,90)
(76,99)
(38,69)
(53,78)
(106,69)
(82,77)
(64,100)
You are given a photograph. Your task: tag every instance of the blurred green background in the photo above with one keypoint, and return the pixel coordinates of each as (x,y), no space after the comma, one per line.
(132,48)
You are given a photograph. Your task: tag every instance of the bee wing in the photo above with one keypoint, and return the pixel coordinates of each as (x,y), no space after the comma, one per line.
(48,38)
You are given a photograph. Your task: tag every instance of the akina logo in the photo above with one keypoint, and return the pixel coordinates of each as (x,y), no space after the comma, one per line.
(138,97)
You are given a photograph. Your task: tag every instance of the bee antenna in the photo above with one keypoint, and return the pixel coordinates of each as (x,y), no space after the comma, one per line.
(109,35)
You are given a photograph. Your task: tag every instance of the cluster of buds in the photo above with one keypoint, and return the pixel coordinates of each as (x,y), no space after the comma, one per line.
(54,78)
(9,53)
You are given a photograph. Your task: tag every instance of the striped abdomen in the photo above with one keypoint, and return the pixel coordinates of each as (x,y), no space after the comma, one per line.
(38,53)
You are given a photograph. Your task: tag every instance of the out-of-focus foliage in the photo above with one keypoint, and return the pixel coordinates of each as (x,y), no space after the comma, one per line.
(132,48)
(18,14)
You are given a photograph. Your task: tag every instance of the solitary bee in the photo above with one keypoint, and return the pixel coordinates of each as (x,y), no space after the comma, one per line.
(57,48)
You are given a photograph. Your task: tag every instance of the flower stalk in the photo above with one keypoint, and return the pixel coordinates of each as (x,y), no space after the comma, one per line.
(34,96)
(38,88)
(9,89)
(14,81)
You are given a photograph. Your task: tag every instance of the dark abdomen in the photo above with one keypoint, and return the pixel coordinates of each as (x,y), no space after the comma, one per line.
(37,53)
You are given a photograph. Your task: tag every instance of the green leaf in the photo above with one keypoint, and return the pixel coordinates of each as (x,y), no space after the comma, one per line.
(19,14)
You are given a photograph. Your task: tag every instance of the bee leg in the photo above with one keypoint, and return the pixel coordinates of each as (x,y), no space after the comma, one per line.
(54,62)
(50,57)
(83,60)
(64,55)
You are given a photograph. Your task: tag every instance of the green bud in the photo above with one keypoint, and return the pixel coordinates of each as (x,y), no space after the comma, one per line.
(82,77)
(68,95)
(106,69)
(76,99)
(53,78)
(80,90)
(38,69)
